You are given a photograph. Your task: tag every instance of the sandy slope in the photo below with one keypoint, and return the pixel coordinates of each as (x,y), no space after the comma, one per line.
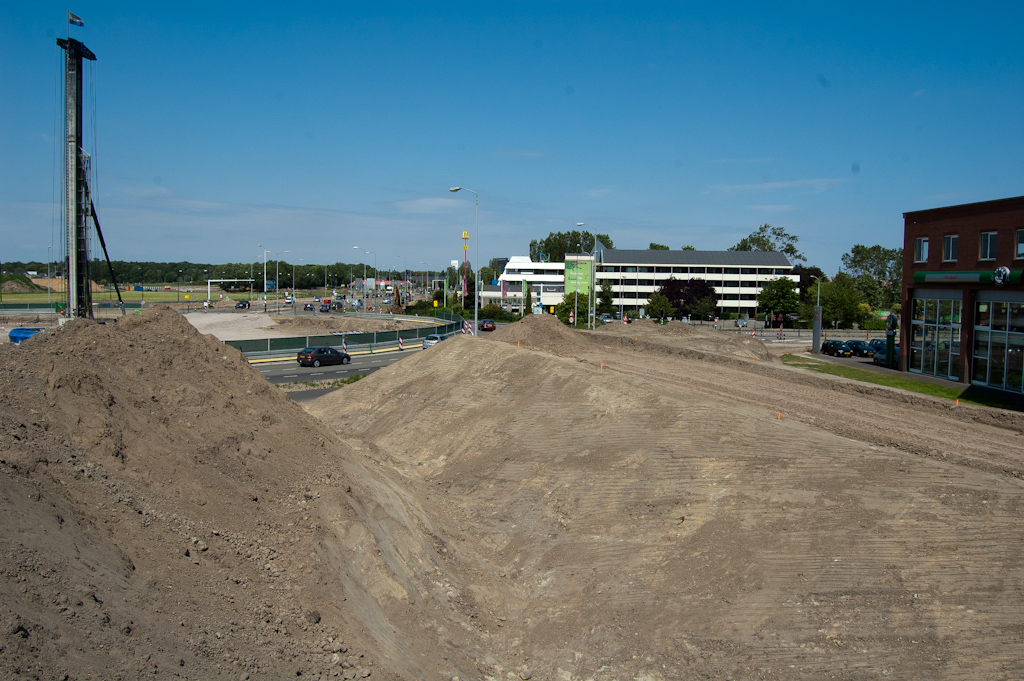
(539,503)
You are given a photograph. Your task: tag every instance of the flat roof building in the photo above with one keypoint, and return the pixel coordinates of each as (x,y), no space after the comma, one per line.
(635,275)
(963,297)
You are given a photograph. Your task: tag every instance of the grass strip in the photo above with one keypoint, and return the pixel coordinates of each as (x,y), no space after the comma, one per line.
(966,395)
(335,383)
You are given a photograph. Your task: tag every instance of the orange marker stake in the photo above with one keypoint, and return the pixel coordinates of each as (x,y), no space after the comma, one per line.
(779,416)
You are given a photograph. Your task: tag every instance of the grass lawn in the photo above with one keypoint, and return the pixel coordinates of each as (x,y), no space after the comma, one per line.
(951,392)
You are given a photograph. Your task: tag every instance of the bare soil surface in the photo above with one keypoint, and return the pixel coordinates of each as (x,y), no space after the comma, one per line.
(638,502)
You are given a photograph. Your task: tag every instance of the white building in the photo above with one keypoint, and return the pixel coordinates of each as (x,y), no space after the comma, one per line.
(737,277)
(545,281)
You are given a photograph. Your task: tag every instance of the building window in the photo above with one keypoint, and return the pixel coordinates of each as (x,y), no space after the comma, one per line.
(921,249)
(935,337)
(1020,244)
(998,359)
(949,244)
(988,246)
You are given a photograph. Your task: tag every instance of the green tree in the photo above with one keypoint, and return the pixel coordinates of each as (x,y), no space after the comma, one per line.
(657,247)
(658,307)
(769,238)
(605,298)
(884,264)
(809,278)
(686,294)
(871,292)
(528,302)
(779,296)
(840,302)
(556,244)
(577,303)
(688,248)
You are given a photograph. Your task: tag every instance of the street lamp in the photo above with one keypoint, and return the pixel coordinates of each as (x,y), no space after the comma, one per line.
(49,249)
(264,278)
(476,287)
(277,280)
(179,287)
(364,268)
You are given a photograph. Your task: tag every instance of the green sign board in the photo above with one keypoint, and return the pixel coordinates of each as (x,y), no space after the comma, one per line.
(577,276)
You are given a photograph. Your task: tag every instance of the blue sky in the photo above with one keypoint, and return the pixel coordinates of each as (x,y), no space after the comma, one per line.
(315,127)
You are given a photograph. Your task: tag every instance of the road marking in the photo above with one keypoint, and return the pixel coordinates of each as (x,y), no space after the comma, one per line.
(319,373)
(292,376)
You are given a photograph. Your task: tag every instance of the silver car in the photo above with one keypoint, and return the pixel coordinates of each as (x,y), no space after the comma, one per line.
(432,339)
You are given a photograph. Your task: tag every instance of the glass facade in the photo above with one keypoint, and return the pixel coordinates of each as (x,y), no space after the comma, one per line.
(998,353)
(935,337)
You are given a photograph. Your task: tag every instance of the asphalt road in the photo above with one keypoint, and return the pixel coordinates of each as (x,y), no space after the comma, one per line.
(289,371)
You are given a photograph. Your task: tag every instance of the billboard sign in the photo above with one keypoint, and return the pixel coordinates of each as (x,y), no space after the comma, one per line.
(577,276)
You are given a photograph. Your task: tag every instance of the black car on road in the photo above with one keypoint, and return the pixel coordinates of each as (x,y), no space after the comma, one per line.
(242,305)
(836,348)
(321,355)
(861,348)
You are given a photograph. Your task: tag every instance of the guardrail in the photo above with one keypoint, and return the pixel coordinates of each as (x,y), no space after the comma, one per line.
(271,348)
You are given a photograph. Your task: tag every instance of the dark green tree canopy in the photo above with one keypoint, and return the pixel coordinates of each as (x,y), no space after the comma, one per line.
(884,264)
(809,278)
(686,295)
(770,239)
(556,244)
(688,248)
(605,298)
(658,307)
(658,247)
(779,295)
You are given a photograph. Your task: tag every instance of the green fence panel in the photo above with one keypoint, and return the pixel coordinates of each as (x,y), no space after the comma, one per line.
(292,343)
(328,339)
(246,346)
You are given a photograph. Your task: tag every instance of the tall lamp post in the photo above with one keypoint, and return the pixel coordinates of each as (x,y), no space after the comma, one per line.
(476,287)
(264,278)
(49,249)
(277,280)
(364,268)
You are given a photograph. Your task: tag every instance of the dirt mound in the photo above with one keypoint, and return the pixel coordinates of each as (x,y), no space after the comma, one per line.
(643,523)
(541,332)
(169,513)
(682,339)
(545,332)
(16,286)
(486,510)
(330,324)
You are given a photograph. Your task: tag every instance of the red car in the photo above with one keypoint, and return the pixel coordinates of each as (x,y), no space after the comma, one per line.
(487,325)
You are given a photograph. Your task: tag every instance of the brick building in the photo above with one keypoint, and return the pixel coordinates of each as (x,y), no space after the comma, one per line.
(963,296)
